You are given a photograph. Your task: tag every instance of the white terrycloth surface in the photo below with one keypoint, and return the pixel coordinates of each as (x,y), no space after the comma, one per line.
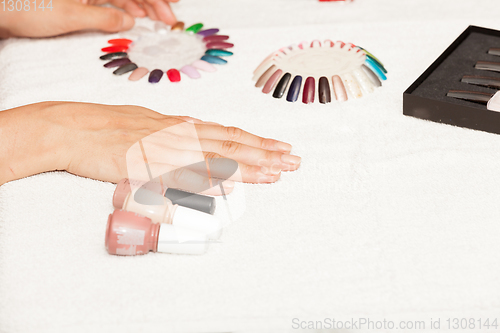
(388,217)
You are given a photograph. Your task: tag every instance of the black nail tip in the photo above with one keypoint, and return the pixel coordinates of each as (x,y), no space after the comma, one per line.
(281,86)
(324,93)
(114,55)
(125,69)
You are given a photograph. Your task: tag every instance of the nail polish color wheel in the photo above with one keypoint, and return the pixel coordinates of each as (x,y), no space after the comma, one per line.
(336,70)
(167,50)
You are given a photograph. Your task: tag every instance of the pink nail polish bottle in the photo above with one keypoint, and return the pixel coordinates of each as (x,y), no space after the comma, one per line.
(131,234)
(161,210)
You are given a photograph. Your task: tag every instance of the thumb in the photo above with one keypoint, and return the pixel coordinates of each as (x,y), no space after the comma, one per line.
(104,18)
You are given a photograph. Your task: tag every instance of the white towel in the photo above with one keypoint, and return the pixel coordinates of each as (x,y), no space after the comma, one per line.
(388,217)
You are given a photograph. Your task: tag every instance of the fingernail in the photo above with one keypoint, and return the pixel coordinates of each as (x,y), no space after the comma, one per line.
(290,159)
(265,178)
(272,170)
(228,184)
(283,146)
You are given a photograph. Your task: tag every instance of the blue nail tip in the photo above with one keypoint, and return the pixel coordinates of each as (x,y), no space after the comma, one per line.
(373,66)
(379,65)
(214,60)
(294,90)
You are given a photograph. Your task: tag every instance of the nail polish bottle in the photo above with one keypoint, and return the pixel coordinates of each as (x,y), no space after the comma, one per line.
(161,210)
(199,202)
(132,234)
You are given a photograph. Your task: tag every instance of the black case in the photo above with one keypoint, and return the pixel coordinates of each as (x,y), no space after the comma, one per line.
(426,97)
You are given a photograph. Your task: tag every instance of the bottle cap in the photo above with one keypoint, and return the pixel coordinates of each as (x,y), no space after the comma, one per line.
(178,240)
(199,202)
(130,234)
(195,220)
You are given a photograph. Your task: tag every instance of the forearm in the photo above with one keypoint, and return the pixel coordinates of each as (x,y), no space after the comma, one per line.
(28,146)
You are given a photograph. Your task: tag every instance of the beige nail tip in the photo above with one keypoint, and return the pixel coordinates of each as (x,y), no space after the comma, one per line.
(138,74)
(178,26)
(339,89)
(352,85)
(264,77)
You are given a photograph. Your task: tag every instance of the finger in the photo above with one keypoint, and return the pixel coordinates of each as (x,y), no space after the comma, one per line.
(134,9)
(197,121)
(238,135)
(103,18)
(190,119)
(163,11)
(187,180)
(218,167)
(251,155)
(150,11)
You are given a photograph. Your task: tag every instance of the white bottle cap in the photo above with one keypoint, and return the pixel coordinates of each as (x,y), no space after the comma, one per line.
(494,102)
(177,240)
(196,220)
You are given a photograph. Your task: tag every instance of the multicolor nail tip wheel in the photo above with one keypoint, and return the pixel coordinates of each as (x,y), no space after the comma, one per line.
(338,69)
(167,50)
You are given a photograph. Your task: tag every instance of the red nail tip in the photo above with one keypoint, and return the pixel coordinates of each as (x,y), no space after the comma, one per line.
(174,75)
(215,38)
(219,45)
(120,41)
(115,48)
(308,93)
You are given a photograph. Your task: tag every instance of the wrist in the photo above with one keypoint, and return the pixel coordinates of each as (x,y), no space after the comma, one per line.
(4,25)
(29,142)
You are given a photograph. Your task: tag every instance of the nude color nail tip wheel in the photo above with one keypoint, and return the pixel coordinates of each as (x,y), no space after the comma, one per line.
(329,70)
(167,50)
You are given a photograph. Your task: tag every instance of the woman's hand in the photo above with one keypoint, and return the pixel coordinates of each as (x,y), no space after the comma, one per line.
(72,15)
(92,140)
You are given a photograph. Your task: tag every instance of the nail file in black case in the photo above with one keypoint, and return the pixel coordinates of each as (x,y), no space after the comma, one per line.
(492,101)
(488,66)
(484,81)
(494,51)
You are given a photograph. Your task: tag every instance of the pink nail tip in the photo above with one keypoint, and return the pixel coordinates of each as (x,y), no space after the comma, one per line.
(191,72)
(215,38)
(269,86)
(204,66)
(219,45)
